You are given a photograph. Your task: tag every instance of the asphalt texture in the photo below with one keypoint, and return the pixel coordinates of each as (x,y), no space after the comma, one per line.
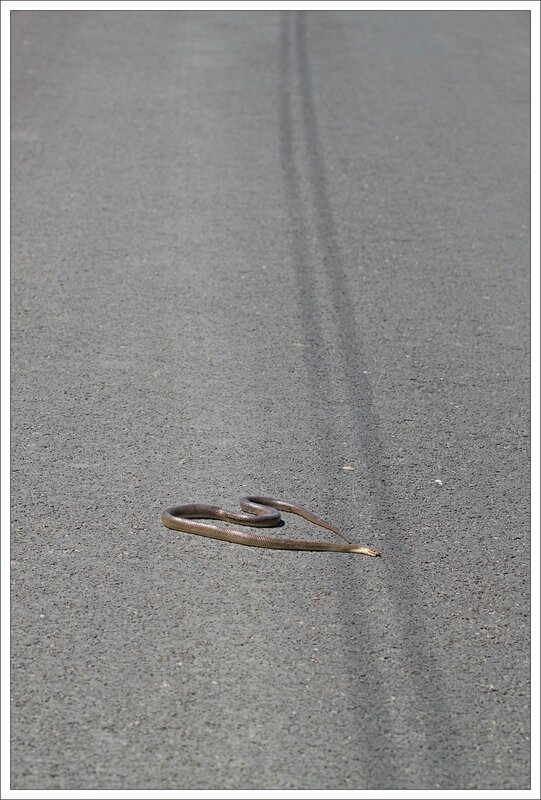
(280,253)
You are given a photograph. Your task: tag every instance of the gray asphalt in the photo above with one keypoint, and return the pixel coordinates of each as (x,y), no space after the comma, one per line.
(284,254)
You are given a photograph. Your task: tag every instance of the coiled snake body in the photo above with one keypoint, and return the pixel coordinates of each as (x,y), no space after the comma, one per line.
(256,511)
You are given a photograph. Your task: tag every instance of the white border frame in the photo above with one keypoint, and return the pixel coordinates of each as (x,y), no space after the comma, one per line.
(205,5)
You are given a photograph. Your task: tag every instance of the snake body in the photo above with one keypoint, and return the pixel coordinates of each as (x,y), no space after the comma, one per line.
(259,512)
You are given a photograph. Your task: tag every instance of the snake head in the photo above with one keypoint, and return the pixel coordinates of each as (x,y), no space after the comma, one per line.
(367,551)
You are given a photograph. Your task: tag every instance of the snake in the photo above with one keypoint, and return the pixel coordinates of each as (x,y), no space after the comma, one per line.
(257,511)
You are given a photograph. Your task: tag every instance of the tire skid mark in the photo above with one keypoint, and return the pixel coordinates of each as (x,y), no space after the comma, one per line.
(437,763)
(373,743)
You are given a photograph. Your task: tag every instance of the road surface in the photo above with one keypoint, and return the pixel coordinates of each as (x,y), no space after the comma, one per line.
(281,253)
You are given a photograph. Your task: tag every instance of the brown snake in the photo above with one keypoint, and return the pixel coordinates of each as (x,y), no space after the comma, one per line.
(260,512)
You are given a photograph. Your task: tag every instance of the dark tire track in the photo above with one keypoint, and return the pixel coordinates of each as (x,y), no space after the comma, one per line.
(403,581)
